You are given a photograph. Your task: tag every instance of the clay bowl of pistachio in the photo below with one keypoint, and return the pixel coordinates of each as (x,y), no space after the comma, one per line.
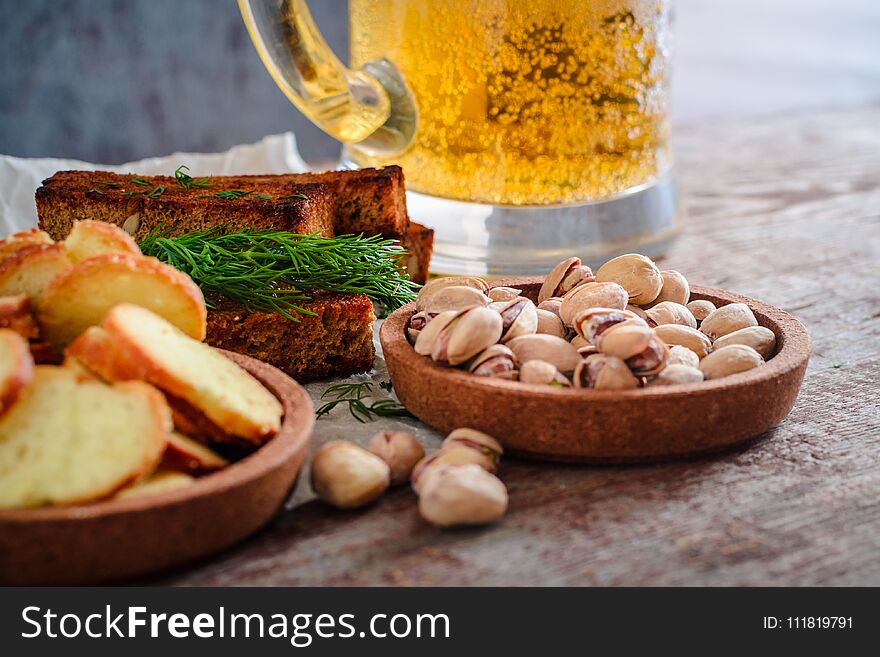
(570,421)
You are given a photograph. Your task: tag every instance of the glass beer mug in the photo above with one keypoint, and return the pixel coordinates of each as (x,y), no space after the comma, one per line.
(528,130)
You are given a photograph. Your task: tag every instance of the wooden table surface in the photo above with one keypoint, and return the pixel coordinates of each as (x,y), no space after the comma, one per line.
(784,209)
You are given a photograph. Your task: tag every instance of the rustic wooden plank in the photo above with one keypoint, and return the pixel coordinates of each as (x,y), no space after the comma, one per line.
(785,209)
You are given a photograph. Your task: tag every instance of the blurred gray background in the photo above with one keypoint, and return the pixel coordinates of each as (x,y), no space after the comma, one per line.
(116,80)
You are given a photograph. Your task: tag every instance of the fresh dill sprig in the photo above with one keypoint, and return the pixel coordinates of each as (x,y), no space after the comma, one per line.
(188,182)
(354,394)
(274,270)
(302,196)
(264,197)
(143,182)
(108,183)
(97,191)
(233,194)
(156,192)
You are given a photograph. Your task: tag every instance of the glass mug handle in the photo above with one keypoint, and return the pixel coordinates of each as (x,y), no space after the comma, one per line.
(371,107)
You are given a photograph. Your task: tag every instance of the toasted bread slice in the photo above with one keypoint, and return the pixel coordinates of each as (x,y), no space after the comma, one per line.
(16,315)
(16,368)
(186,455)
(70,440)
(159,482)
(81,296)
(196,373)
(419,244)
(20,240)
(29,270)
(89,238)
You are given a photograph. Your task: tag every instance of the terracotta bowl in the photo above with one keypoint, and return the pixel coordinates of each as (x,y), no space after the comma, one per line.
(117,539)
(590,426)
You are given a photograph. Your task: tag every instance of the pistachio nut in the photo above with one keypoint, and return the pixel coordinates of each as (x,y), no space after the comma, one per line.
(462,495)
(637,310)
(679,355)
(348,476)
(685,336)
(553,304)
(429,332)
(468,333)
(592,322)
(518,317)
(496,361)
(497,305)
(675,288)
(549,323)
(759,338)
(636,273)
(452,455)
(603,372)
(701,309)
(400,450)
(579,342)
(478,440)
(587,350)
(565,276)
(634,343)
(503,293)
(729,360)
(542,373)
(454,297)
(591,295)
(434,285)
(539,346)
(727,319)
(415,325)
(670,312)
(676,374)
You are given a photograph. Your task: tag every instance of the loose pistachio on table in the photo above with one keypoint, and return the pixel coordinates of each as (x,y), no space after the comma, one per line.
(462,495)
(728,360)
(542,373)
(347,476)
(759,338)
(636,273)
(564,277)
(461,447)
(400,450)
(478,440)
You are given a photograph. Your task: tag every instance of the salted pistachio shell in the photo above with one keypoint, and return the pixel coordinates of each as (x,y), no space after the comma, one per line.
(636,273)
(603,372)
(553,304)
(474,439)
(468,333)
(591,323)
(579,341)
(675,288)
(518,317)
(679,355)
(670,312)
(587,350)
(636,344)
(415,325)
(676,374)
(549,323)
(701,308)
(494,361)
(436,284)
(428,334)
(400,450)
(542,373)
(591,295)
(539,346)
(454,297)
(685,336)
(452,455)
(462,495)
(759,338)
(565,276)
(504,293)
(727,319)
(637,310)
(728,360)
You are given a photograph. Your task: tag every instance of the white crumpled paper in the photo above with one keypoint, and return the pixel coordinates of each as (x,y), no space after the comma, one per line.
(20,177)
